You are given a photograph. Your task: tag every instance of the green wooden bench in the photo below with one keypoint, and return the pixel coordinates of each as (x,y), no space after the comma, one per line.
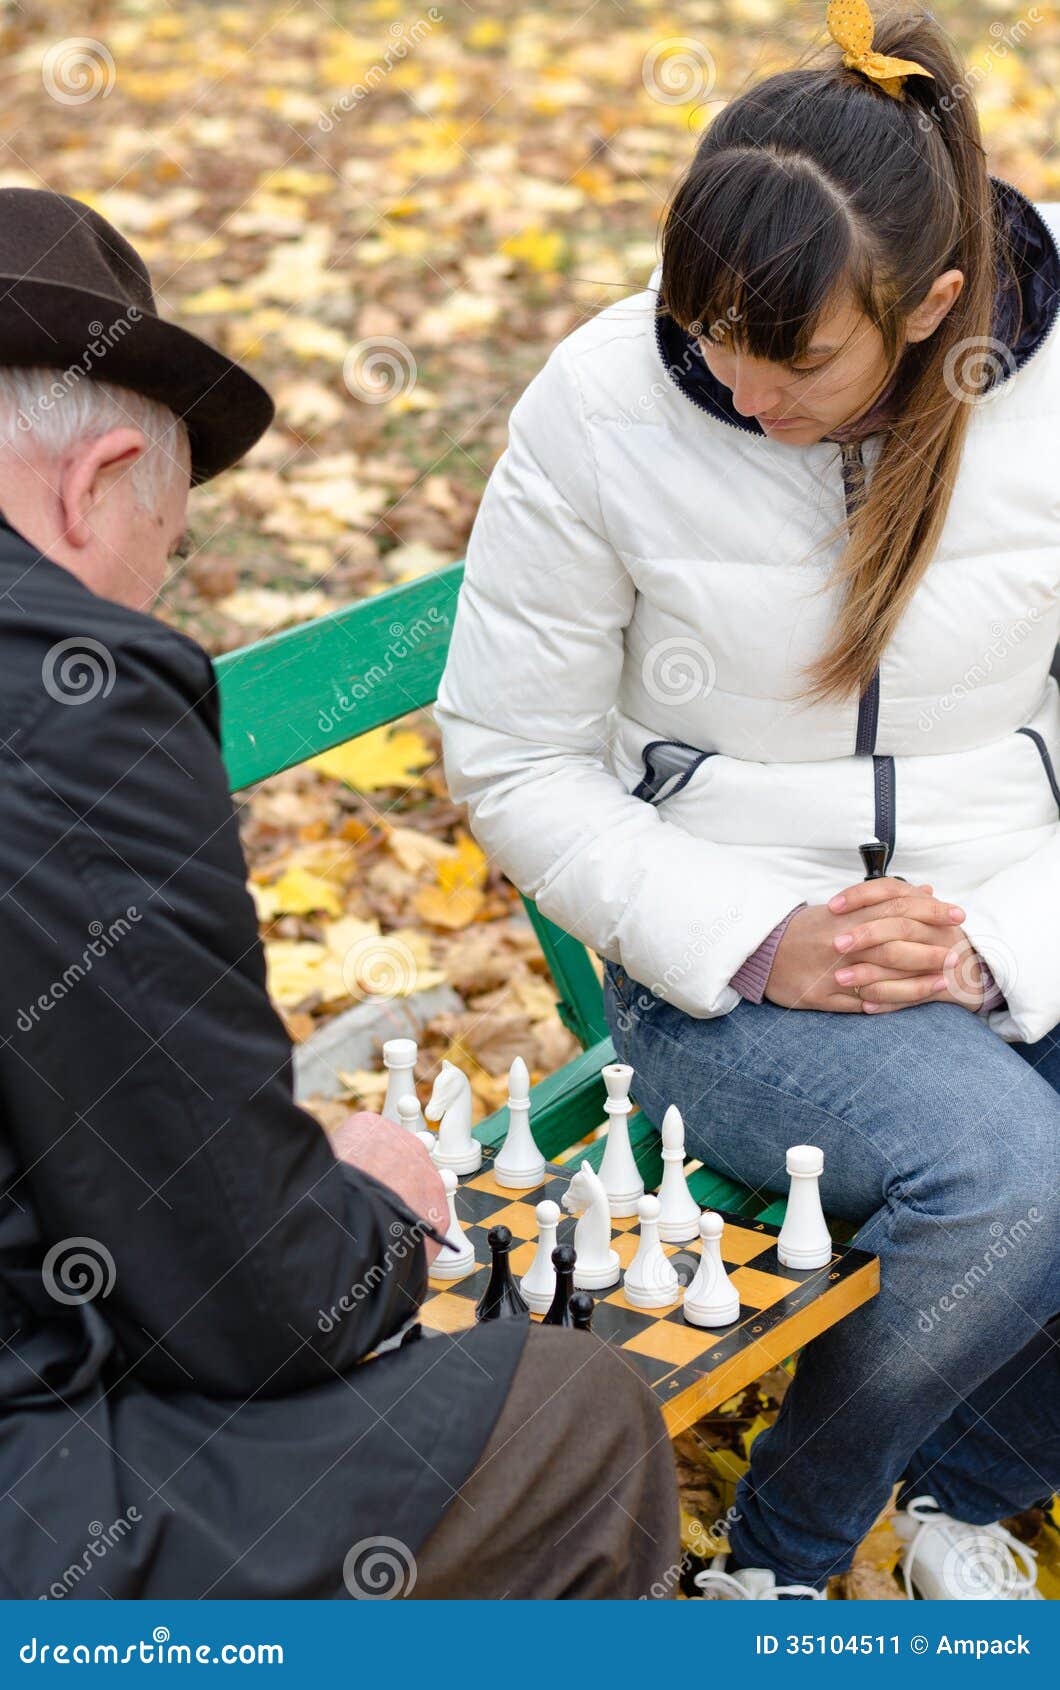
(311,688)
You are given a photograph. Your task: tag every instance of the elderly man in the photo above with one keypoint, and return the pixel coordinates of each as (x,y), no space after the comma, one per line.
(187,1410)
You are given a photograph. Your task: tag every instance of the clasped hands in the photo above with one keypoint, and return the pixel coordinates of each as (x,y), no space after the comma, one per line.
(876,946)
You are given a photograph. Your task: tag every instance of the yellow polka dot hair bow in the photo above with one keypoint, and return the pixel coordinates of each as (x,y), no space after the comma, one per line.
(851,27)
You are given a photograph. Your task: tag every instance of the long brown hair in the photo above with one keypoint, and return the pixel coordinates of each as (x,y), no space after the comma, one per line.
(813,181)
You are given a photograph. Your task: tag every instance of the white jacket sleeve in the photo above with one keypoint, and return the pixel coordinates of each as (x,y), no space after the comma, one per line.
(1012,922)
(532,674)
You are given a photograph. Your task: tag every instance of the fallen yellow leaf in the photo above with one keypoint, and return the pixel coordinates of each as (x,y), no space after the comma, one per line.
(384,757)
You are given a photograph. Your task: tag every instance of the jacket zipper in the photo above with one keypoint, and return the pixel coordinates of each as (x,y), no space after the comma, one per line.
(869,702)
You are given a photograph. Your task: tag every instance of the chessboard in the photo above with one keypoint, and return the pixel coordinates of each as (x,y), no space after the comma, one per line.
(690,1369)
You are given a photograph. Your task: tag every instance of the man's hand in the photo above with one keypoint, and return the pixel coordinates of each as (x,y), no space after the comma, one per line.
(397,1158)
(893,959)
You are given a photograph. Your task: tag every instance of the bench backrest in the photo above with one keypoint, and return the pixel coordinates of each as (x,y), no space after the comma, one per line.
(295,694)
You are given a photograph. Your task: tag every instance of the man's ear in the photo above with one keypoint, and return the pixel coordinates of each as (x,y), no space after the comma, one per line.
(940,298)
(90,471)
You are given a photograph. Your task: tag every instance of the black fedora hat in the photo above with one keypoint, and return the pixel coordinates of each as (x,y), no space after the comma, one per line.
(75,296)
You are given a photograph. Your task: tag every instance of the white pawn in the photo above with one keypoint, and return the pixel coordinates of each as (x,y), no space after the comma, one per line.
(618,1170)
(450,1264)
(399,1060)
(519,1163)
(678,1209)
(597,1264)
(410,1116)
(651,1282)
(712,1299)
(804,1240)
(427,1139)
(538,1284)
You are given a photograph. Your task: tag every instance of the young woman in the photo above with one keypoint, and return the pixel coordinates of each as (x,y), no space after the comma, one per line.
(769,571)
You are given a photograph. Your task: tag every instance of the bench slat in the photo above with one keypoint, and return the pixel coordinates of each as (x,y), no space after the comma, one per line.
(309,689)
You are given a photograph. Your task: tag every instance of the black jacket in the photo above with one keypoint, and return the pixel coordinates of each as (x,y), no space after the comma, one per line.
(151,1155)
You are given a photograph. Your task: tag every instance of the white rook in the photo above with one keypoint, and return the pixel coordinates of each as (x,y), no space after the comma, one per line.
(618,1170)
(399,1060)
(804,1240)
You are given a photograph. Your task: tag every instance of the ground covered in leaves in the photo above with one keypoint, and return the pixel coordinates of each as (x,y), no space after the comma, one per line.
(391,217)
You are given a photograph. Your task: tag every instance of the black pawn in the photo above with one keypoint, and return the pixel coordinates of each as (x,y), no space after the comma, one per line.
(563,1260)
(501,1299)
(581,1308)
(874,856)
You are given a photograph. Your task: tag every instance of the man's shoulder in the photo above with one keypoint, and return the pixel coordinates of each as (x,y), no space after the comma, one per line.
(64,646)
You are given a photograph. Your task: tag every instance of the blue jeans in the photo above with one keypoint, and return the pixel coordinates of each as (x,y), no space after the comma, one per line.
(942,1144)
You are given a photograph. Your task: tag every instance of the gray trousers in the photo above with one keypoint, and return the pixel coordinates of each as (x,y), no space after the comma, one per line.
(575,1493)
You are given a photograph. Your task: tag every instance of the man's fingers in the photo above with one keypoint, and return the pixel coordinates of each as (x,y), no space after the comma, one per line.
(864,893)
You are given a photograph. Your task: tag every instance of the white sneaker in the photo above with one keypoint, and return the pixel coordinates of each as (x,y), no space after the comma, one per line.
(749,1584)
(948,1560)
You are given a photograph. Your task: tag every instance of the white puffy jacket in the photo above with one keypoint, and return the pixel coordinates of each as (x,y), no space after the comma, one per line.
(642,569)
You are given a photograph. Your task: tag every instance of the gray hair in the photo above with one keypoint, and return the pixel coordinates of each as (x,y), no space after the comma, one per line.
(52,409)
